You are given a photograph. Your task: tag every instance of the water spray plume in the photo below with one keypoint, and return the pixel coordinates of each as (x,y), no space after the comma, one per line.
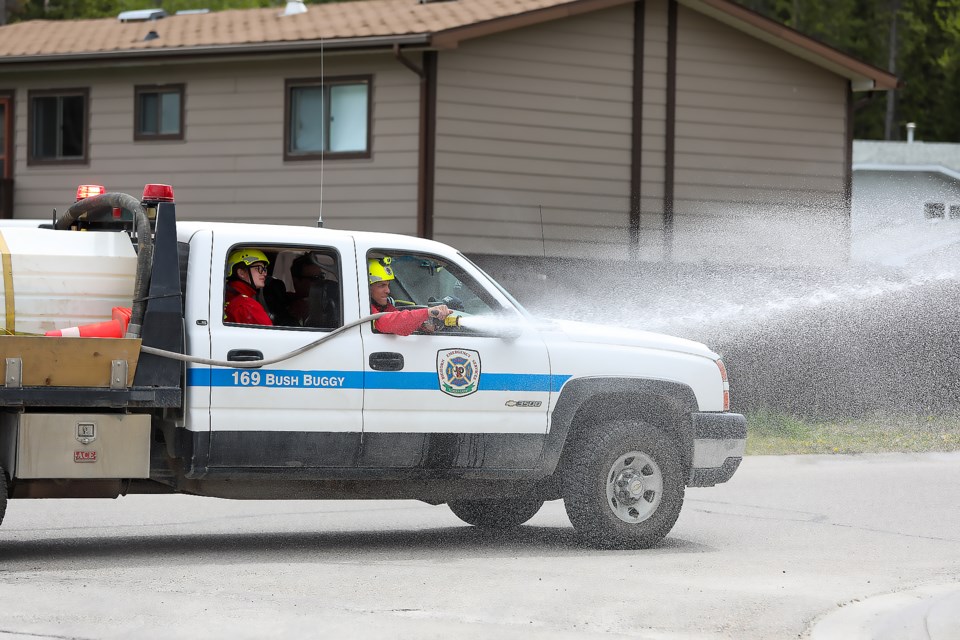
(846,340)
(492,325)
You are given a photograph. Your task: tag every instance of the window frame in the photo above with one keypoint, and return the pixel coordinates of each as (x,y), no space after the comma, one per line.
(457,271)
(272,251)
(141,89)
(294,83)
(32,158)
(8,96)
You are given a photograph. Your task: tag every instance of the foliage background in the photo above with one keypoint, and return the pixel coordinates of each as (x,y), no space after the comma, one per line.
(918,40)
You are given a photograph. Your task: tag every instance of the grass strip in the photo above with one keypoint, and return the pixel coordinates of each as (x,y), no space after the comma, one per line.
(772,433)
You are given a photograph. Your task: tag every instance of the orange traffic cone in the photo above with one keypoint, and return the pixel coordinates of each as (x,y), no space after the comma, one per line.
(122,315)
(109,329)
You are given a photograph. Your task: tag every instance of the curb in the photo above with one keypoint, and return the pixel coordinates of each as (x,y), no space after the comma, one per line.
(926,613)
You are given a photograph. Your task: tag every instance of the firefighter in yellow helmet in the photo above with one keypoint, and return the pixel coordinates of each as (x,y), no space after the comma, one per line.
(246,275)
(402,323)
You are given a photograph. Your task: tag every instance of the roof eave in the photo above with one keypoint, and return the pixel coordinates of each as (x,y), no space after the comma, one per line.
(451,38)
(862,76)
(333,44)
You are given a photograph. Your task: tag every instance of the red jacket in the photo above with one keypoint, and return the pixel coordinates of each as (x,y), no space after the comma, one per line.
(402,323)
(242,307)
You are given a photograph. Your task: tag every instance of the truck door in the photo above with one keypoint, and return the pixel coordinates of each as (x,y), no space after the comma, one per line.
(451,398)
(304,411)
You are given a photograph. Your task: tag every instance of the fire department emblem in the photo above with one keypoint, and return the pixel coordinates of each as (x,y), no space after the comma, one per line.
(459,371)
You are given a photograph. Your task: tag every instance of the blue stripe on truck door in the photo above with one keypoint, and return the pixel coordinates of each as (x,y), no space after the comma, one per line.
(416,380)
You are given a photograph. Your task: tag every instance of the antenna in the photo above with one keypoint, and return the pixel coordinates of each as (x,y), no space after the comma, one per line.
(326,133)
(543,240)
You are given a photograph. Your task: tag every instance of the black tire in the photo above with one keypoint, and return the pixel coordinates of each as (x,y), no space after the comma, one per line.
(498,513)
(3,493)
(623,486)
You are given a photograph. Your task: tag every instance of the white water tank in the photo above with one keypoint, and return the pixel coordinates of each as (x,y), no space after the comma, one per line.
(58,279)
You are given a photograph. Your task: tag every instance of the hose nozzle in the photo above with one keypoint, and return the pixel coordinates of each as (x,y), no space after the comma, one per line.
(451,321)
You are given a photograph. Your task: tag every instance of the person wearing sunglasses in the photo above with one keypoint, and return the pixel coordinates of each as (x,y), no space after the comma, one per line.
(246,275)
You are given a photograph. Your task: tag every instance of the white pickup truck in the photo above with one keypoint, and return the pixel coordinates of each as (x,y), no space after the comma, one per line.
(492,416)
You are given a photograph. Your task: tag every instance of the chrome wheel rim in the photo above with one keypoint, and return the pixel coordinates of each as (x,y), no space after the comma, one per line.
(634,487)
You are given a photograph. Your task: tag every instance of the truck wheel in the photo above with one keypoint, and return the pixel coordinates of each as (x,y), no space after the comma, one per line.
(3,493)
(624,487)
(499,513)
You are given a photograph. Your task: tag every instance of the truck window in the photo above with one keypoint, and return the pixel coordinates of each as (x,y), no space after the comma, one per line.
(299,287)
(423,280)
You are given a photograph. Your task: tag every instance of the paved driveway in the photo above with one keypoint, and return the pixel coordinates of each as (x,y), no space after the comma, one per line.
(788,541)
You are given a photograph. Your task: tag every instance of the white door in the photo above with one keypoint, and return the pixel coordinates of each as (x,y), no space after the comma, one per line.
(301,412)
(457,398)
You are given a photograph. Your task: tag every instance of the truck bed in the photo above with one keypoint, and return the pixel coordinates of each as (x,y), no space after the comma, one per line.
(76,372)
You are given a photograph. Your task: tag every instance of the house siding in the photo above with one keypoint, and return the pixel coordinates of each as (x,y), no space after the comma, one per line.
(230,165)
(533,145)
(760,151)
(536,122)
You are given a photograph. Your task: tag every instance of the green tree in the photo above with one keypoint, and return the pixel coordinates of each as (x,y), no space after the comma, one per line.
(918,40)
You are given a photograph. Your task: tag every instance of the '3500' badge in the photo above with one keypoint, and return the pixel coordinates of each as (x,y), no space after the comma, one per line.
(459,371)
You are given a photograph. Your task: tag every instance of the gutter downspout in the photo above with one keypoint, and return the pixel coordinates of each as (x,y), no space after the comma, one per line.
(636,136)
(670,131)
(427,139)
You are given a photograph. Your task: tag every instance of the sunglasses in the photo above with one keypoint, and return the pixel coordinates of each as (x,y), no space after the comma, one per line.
(314,278)
(259,268)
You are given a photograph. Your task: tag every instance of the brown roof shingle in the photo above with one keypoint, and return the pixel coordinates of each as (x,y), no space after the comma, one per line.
(328,21)
(368,23)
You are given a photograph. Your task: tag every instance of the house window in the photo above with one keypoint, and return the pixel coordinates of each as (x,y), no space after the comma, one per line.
(330,118)
(57,126)
(158,112)
(934,210)
(955,211)
(6,139)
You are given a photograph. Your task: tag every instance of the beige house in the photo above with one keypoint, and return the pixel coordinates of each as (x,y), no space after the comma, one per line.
(650,129)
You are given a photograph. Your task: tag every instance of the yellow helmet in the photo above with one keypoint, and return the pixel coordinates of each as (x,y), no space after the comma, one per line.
(379,270)
(246,257)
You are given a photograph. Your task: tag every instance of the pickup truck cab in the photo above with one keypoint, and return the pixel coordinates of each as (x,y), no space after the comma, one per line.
(493,412)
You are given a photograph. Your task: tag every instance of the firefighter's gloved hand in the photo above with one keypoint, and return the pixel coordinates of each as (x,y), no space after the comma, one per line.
(439,312)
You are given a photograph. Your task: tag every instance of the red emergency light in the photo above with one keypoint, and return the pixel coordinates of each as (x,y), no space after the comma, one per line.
(157,193)
(89,190)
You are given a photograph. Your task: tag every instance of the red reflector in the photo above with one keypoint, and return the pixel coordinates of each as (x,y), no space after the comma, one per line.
(723,370)
(726,401)
(89,190)
(158,193)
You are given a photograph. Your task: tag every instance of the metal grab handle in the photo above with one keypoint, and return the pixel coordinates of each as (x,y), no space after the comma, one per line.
(244,355)
(386,361)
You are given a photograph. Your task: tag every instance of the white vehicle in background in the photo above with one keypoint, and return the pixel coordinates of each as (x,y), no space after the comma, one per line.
(492,412)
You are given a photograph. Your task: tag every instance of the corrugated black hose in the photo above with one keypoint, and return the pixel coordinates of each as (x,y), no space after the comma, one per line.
(105,204)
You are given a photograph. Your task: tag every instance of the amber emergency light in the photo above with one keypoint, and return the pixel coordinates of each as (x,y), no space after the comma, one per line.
(89,190)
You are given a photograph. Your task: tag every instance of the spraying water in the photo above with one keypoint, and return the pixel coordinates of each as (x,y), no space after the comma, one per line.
(881,334)
(485,324)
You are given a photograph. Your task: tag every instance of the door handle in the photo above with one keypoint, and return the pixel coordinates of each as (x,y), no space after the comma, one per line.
(386,361)
(244,355)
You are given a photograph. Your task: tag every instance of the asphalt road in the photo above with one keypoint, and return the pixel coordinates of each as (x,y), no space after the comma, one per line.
(788,541)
